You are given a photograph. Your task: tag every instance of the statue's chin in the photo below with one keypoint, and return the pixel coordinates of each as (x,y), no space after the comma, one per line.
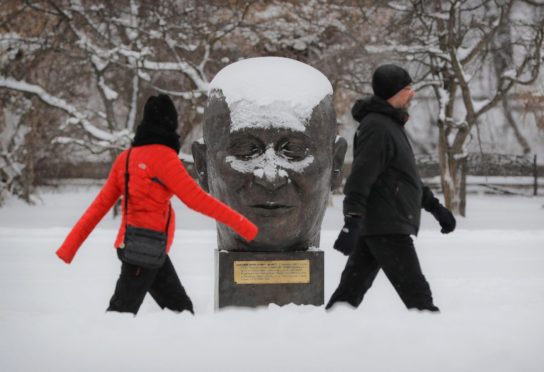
(287,247)
(266,245)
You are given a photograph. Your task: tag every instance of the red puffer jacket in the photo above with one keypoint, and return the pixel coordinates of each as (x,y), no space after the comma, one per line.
(149,201)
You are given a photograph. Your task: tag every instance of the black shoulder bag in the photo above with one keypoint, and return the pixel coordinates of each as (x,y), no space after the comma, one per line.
(143,247)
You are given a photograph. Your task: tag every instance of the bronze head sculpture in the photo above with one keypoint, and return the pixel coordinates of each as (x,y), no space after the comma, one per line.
(270,151)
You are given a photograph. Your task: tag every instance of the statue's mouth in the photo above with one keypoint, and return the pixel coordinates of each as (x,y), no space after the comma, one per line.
(271,206)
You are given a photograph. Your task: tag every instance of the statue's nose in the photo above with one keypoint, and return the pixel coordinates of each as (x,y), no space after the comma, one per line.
(270,174)
(271,180)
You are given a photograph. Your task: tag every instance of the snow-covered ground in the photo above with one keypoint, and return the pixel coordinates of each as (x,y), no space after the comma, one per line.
(487,278)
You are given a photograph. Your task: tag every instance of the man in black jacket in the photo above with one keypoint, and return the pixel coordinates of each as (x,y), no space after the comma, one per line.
(384,197)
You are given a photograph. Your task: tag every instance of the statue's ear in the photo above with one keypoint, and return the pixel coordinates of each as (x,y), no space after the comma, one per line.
(339,152)
(201,168)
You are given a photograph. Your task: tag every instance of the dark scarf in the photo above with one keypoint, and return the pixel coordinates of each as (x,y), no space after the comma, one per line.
(148,135)
(363,107)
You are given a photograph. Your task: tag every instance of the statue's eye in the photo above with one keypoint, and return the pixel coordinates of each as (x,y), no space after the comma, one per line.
(293,150)
(246,150)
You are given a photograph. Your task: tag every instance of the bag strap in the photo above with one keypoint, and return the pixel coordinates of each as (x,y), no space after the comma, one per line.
(127,178)
(168,220)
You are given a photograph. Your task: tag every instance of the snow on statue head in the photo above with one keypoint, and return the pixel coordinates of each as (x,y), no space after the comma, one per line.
(270,151)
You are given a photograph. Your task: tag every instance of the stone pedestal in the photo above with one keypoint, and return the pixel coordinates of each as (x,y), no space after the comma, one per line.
(252,279)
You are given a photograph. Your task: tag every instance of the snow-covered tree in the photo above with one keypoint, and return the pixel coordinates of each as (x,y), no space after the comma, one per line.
(96,62)
(85,67)
(121,49)
(456,44)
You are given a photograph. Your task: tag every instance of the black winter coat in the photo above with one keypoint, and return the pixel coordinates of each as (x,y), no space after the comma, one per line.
(384,186)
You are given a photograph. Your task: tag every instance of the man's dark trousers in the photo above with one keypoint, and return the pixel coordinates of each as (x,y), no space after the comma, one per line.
(396,256)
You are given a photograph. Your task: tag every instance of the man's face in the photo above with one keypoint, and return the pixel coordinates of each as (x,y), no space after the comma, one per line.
(277,177)
(403,98)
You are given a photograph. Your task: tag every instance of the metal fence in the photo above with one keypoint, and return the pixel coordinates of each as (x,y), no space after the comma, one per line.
(498,173)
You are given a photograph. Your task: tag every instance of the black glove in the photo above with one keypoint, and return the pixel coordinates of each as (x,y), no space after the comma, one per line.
(444,217)
(347,239)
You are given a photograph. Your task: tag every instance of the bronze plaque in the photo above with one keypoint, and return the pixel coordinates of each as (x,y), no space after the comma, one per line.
(272,272)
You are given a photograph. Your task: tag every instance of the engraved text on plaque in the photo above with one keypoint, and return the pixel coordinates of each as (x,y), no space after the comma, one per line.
(272,272)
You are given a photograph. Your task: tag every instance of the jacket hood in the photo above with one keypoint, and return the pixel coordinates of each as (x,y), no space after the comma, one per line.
(375,104)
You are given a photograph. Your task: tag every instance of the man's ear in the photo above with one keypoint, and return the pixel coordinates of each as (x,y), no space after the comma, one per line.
(339,152)
(201,168)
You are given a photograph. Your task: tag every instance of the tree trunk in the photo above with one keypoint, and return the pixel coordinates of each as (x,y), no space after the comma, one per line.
(503,58)
(512,123)
(454,184)
(462,172)
(453,175)
(27,178)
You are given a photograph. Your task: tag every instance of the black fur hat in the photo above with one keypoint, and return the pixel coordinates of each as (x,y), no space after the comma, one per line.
(159,123)
(388,80)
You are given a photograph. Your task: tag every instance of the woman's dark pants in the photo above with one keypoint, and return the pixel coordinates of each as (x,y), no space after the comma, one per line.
(162,284)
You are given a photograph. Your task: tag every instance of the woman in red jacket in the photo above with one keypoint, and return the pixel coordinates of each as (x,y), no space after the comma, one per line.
(156,174)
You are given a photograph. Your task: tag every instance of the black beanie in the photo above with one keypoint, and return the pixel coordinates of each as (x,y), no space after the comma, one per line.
(159,123)
(388,80)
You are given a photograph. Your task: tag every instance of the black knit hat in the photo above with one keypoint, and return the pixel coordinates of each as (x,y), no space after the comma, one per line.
(159,123)
(388,80)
